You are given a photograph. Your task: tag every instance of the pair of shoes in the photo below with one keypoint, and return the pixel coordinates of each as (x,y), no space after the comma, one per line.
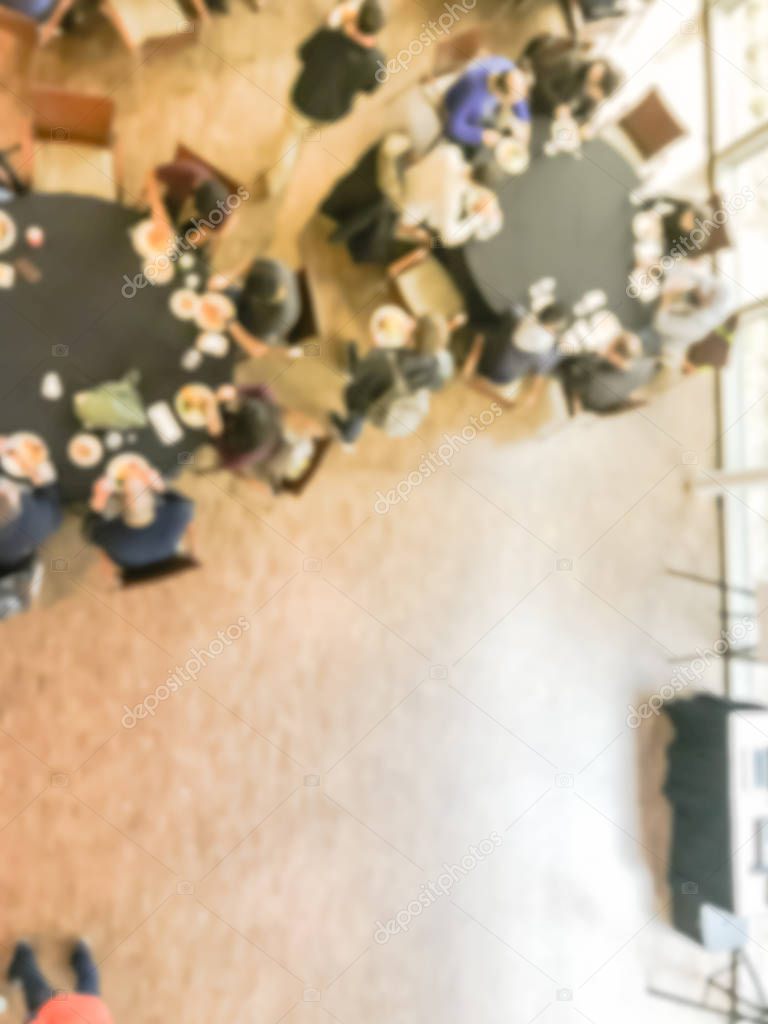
(24,951)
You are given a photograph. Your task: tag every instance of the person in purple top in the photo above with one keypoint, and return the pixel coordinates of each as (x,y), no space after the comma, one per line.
(475,104)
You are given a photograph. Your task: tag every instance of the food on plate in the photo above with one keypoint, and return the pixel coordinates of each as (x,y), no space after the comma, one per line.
(26,455)
(214,312)
(391,327)
(184,303)
(193,403)
(85,450)
(7,232)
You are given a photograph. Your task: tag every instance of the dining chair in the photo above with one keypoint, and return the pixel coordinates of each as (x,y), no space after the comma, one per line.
(74,148)
(651,126)
(423,285)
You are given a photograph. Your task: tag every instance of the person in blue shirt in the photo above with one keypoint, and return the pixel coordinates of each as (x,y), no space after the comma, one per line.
(140,524)
(28,517)
(476,104)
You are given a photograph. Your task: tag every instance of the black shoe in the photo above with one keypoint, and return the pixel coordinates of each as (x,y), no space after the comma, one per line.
(80,951)
(23,951)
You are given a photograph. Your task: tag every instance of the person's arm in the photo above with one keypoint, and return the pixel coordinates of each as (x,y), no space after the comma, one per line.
(154,197)
(522,128)
(50,26)
(410,259)
(222,280)
(463,123)
(469,369)
(534,392)
(102,491)
(248,343)
(202,12)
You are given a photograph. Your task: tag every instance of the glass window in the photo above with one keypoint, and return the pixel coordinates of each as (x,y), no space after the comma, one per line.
(740,55)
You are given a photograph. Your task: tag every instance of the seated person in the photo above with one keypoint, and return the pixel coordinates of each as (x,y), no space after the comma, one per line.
(390,386)
(491,88)
(517,346)
(568,84)
(671,222)
(693,302)
(608,383)
(187,199)
(367,220)
(46,1005)
(268,305)
(392,202)
(28,517)
(436,192)
(139,524)
(255,438)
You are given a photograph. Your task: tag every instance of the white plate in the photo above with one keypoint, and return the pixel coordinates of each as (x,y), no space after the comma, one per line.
(12,467)
(390,326)
(214,312)
(8,232)
(184,303)
(85,450)
(193,416)
(143,242)
(213,344)
(159,270)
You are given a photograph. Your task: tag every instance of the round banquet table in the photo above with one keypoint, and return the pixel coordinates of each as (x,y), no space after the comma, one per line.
(566,218)
(76,321)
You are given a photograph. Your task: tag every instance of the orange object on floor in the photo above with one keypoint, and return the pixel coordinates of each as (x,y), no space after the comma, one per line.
(73,1008)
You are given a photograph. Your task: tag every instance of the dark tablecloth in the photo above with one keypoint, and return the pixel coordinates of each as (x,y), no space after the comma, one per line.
(566,218)
(77,322)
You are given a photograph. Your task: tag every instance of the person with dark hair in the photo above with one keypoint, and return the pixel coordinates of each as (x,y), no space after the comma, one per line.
(47,1006)
(390,386)
(597,384)
(694,303)
(516,346)
(187,200)
(477,103)
(268,302)
(138,522)
(339,62)
(568,83)
(394,200)
(255,438)
(675,221)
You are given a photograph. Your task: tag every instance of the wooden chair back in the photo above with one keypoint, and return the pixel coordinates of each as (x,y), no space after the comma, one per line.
(63,116)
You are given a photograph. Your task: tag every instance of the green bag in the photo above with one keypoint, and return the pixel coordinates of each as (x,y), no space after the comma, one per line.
(113,405)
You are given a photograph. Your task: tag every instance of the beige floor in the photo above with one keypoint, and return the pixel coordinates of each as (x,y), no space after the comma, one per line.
(406,683)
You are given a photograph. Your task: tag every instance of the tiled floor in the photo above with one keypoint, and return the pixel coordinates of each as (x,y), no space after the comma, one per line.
(443,681)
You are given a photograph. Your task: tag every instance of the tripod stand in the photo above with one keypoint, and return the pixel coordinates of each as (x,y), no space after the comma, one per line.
(740,1007)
